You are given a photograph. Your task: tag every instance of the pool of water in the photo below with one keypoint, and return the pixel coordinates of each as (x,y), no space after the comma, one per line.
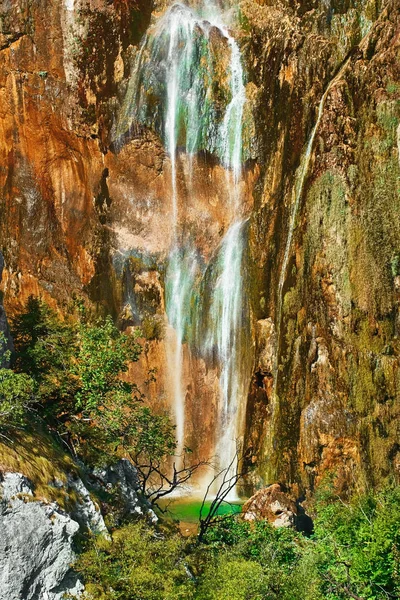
(188,510)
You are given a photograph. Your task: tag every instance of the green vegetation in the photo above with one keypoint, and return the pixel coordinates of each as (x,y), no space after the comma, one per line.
(68,383)
(68,379)
(15,397)
(136,564)
(353,553)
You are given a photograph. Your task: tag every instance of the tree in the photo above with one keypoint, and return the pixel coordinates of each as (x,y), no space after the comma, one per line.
(16,397)
(77,368)
(103,356)
(149,440)
(45,346)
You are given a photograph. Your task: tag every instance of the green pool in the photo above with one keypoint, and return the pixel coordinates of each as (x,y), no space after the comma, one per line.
(188,510)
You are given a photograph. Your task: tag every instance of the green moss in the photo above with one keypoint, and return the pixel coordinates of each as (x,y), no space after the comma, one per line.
(153,327)
(388,119)
(326,240)
(375,227)
(292,303)
(362,388)
(392,87)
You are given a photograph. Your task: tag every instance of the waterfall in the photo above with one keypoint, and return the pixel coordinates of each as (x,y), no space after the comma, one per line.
(226,337)
(227,305)
(177,64)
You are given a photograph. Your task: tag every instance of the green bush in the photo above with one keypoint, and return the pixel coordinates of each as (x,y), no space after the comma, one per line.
(354,553)
(357,546)
(137,563)
(16,396)
(233,578)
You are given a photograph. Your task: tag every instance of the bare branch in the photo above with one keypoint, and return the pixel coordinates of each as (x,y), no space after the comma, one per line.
(227,484)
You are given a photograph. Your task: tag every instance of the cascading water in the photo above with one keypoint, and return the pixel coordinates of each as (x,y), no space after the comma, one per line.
(178,64)
(225,335)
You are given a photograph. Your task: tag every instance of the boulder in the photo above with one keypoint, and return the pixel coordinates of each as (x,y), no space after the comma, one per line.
(85,511)
(123,479)
(271,504)
(36,549)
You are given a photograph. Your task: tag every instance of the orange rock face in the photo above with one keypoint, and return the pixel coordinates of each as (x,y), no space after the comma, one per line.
(84,215)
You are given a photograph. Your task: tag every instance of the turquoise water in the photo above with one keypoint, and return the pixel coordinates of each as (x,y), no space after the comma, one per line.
(188,511)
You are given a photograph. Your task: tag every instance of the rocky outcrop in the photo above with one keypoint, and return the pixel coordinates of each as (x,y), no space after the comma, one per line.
(37,541)
(271,504)
(121,479)
(36,545)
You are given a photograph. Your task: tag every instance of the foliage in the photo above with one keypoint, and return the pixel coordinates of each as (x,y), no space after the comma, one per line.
(75,367)
(358,546)
(16,391)
(103,355)
(45,346)
(353,553)
(276,551)
(137,563)
(233,578)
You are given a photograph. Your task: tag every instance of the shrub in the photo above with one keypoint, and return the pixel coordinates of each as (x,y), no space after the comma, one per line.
(233,578)
(136,563)
(16,396)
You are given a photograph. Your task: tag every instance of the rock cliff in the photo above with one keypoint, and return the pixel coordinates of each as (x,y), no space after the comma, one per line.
(85,211)
(325,242)
(36,547)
